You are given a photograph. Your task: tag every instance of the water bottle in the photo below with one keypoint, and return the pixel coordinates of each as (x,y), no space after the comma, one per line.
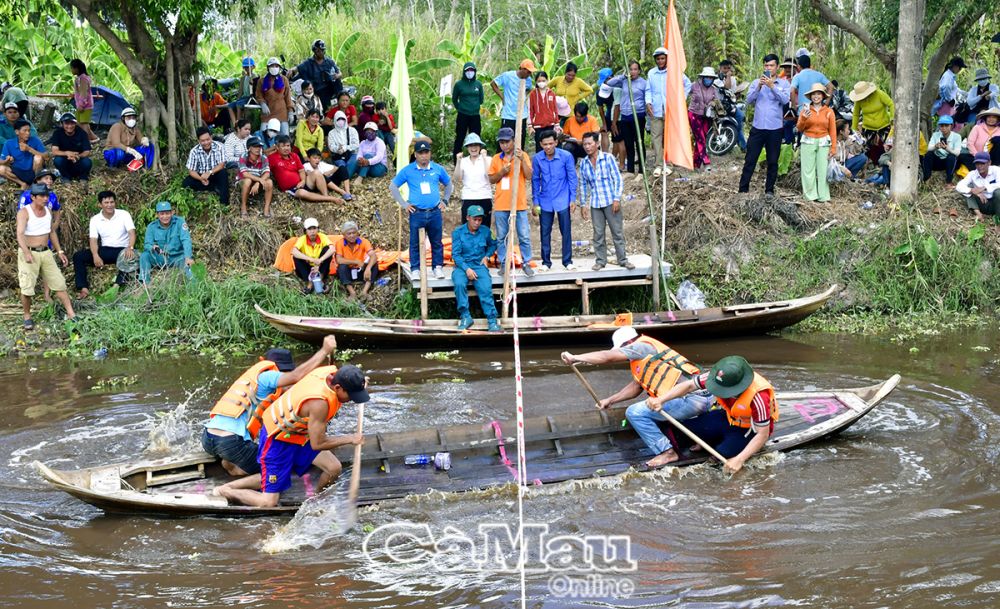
(317,282)
(628,198)
(581,243)
(101,353)
(382,281)
(418,459)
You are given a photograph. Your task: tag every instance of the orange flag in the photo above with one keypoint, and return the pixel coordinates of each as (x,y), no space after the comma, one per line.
(676,128)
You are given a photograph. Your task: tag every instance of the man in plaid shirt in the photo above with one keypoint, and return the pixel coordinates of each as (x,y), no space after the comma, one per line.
(601,191)
(206,166)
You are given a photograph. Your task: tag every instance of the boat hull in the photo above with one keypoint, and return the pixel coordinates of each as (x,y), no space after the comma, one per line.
(718,322)
(558,448)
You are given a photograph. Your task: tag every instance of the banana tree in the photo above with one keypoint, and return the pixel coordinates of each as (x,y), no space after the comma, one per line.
(471,47)
(550,65)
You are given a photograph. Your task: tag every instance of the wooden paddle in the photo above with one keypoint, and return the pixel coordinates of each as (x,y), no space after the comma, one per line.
(669,418)
(590,390)
(351,516)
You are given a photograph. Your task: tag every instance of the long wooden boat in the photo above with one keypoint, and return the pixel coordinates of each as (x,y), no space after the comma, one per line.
(559,447)
(371,333)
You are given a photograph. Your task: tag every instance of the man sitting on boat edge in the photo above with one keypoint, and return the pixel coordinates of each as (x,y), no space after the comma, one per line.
(748,405)
(226,434)
(294,436)
(655,368)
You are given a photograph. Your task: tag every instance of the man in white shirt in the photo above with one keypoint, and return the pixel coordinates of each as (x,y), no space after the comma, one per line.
(112,234)
(981,188)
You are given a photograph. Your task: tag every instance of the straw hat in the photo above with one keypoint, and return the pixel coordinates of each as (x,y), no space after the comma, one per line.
(988,112)
(816,88)
(861,90)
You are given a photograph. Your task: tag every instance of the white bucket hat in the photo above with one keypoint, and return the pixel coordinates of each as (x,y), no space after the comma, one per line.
(708,72)
(623,335)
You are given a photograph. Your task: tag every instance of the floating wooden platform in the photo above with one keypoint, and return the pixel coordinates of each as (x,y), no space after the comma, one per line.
(568,446)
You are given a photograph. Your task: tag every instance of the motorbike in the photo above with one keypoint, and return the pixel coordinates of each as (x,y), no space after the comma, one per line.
(722,135)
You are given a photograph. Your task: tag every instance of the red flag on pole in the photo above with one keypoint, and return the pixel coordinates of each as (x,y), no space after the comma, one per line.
(676,128)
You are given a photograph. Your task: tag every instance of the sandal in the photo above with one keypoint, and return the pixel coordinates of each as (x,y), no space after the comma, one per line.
(953,212)
(29,324)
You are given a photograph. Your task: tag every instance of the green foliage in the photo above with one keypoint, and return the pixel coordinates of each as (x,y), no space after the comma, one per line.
(37,58)
(472,48)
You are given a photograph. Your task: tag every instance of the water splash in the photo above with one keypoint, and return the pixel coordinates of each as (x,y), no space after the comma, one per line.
(172,432)
(319,519)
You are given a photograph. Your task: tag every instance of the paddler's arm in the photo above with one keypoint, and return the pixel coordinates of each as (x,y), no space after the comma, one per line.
(678,390)
(300,372)
(627,392)
(760,437)
(610,356)
(316,411)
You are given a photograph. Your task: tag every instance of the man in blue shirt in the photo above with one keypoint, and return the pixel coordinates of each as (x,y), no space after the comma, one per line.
(806,78)
(167,243)
(322,72)
(510,83)
(767,95)
(471,247)
(553,187)
(11,115)
(23,156)
(225,434)
(424,203)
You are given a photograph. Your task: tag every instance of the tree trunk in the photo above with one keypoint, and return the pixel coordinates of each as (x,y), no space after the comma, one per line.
(906,134)
(171,104)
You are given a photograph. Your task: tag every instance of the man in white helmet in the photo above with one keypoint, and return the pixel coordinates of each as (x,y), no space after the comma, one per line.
(655,368)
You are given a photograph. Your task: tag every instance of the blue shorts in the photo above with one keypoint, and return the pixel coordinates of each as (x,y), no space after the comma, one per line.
(232,448)
(279,459)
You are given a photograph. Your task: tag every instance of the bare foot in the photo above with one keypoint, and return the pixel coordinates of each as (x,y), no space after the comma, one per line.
(84,293)
(662,459)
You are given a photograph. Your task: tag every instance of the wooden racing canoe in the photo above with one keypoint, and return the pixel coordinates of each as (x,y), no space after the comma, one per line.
(559,447)
(716,322)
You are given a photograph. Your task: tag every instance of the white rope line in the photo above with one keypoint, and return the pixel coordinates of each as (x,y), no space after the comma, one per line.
(522,472)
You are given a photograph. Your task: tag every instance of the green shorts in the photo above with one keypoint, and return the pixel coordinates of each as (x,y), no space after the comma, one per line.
(84,116)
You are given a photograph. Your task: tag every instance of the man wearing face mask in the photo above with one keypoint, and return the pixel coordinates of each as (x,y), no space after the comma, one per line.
(467,96)
(322,72)
(127,145)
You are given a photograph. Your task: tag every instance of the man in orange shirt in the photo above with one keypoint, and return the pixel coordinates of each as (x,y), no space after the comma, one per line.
(501,173)
(356,260)
(576,127)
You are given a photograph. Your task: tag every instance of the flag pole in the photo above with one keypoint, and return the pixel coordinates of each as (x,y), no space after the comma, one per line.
(508,267)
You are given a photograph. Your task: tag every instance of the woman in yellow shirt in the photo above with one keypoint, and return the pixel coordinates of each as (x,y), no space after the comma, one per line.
(569,86)
(309,134)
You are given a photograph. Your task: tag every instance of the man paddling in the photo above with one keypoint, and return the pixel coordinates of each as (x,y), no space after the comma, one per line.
(294,435)
(749,409)
(226,434)
(655,368)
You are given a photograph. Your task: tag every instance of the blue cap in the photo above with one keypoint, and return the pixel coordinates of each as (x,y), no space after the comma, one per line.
(946,120)
(505,134)
(475,211)
(421,146)
(603,74)
(163,206)
(982,157)
(248,62)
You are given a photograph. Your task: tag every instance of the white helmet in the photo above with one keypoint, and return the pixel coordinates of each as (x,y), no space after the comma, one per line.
(623,335)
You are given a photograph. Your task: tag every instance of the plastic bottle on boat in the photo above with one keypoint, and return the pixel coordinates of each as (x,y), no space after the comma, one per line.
(418,459)
(317,282)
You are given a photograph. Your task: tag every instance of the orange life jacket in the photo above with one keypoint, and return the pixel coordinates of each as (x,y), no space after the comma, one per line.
(740,411)
(282,420)
(242,395)
(659,372)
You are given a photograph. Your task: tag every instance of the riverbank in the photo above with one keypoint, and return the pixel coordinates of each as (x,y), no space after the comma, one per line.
(900,268)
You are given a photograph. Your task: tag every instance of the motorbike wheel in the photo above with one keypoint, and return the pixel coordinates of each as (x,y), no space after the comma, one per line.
(721,138)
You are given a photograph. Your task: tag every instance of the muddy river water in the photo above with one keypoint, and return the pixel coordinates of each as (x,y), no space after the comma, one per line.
(898,511)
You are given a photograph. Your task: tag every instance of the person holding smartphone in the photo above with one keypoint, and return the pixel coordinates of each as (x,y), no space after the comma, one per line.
(768,94)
